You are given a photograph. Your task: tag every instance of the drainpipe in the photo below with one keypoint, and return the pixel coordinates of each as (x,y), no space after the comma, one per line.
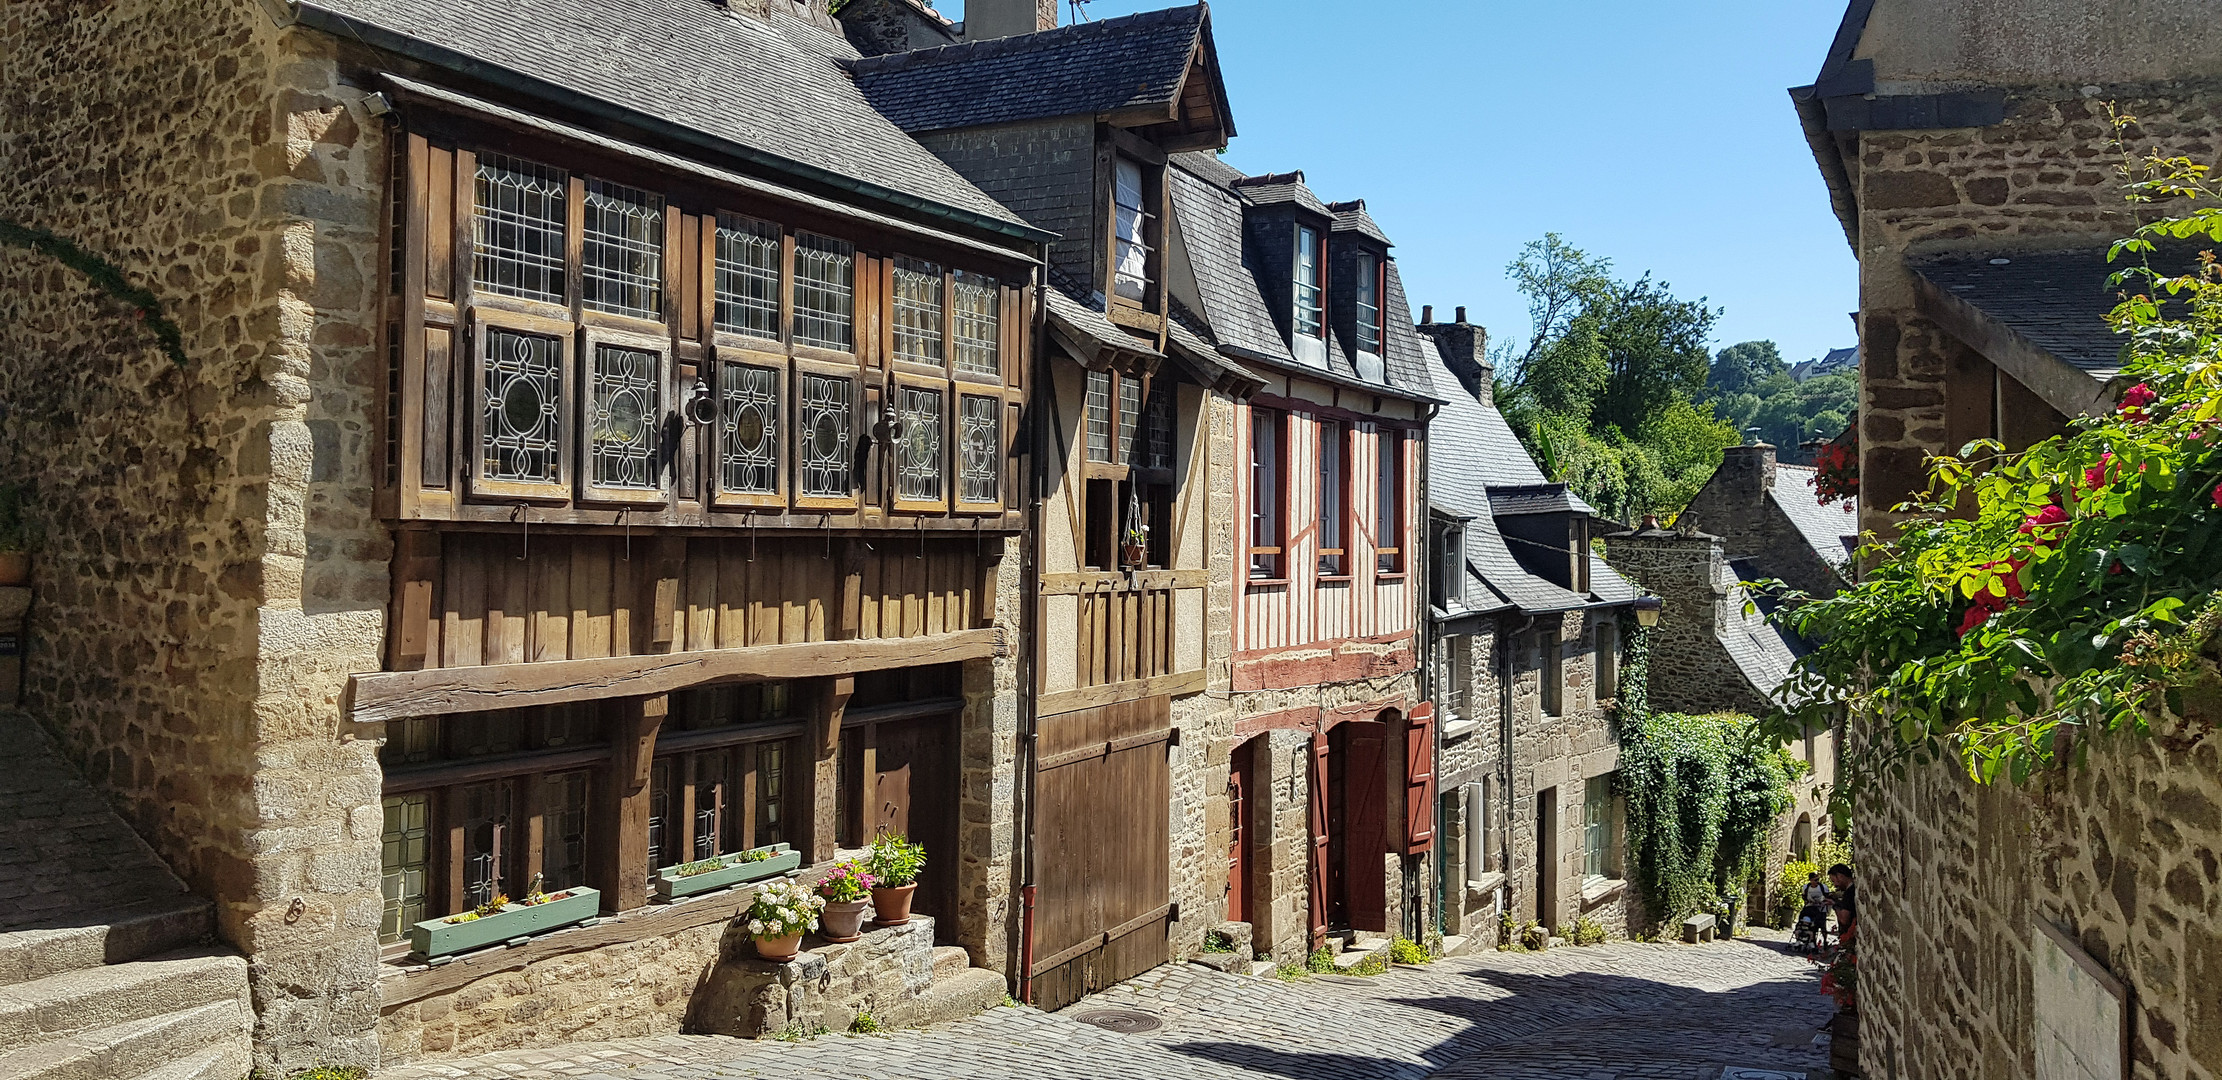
(1043,394)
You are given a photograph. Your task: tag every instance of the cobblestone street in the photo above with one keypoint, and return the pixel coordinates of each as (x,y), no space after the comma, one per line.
(1609,1012)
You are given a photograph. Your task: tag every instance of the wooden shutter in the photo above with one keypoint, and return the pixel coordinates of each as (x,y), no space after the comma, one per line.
(1319,869)
(1366,818)
(1419,780)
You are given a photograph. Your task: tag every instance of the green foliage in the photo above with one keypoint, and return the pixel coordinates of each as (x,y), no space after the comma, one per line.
(1587,931)
(1321,961)
(1787,413)
(1375,964)
(105,276)
(797,1031)
(2069,586)
(1702,793)
(1788,896)
(1606,392)
(321,1072)
(1407,951)
(1291,972)
(1744,365)
(895,861)
(865,1024)
(1216,942)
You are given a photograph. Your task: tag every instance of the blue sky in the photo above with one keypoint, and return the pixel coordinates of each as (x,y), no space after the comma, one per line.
(1656,134)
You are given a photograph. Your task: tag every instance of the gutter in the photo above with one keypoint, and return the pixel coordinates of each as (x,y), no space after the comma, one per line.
(391,41)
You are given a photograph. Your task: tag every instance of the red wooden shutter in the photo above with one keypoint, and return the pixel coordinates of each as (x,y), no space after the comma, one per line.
(1419,780)
(1319,840)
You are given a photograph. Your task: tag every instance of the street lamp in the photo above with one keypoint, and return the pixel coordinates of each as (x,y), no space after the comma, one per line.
(1647,611)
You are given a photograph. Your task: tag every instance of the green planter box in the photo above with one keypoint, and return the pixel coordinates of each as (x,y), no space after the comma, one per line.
(670,886)
(434,938)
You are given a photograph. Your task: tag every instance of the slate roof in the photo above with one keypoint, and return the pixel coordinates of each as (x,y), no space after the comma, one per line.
(1760,650)
(1276,188)
(1606,584)
(1508,500)
(1210,224)
(1084,322)
(1351,217)
(771,86)
(1133,61)
(1490,562)
(1831,530)
(1845,359)
(2057,300)
(1410,357)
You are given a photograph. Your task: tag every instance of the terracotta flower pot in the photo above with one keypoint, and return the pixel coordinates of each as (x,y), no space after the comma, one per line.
(892,906)
(15,568)
(843,920)
(780,950)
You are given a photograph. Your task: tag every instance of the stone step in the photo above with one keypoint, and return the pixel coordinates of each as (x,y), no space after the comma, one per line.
(969,993)
(90,998)
(1455,944)
(135,1046)
(142,929)
(1260,968)
(1361,951)
(950,961)
(228,1060)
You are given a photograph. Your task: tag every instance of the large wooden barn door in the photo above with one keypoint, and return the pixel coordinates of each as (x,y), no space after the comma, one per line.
(1103,838)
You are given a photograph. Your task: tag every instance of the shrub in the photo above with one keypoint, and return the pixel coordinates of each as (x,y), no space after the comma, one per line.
(847,883)
(1320,962)
(1587,931)
(865,1024)
(1406,951)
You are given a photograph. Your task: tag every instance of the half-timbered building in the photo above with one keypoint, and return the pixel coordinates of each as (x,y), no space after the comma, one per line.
(1131,419)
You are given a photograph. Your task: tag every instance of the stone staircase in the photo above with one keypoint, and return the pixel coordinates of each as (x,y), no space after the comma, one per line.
(106,971)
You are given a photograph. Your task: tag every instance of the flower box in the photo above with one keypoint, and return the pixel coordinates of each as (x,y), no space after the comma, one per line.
(434,938)
(670,886)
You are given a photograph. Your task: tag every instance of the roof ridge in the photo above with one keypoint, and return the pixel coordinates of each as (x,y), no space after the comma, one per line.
(964,50)
(1292,177)
(1348,206)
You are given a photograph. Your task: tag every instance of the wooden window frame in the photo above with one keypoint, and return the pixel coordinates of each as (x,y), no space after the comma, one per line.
(1390,551)
(1155,191)
(1003,308)
(1346,526)
(1318,283)
(713,223)
(742,746)
(947,390)
(732,349)
(866,290)
(1379,345)
(1278,552)
(665,464)
(860,427)
(959,394)
(483,321)
(1551,698)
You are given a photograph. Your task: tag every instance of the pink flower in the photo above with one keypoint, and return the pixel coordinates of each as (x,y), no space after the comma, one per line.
(2216,495)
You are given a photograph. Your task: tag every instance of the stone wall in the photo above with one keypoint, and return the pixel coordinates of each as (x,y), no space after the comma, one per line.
(212,569)
(987,827)
(1691,669)
(2043,179)
(1474,756)
(1558,754)
(1737,506)
(2121,854)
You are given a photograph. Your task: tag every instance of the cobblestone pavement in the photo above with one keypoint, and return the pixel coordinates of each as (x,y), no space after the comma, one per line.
(1624,1011)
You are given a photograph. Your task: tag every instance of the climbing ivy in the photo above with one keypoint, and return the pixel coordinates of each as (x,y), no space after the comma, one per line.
(105,276)
(1702,794)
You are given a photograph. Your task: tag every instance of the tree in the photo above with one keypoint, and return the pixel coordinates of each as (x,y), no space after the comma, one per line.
(1741,366)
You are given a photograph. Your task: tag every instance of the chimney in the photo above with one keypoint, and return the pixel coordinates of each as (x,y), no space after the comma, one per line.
(1748,472)
(984,19)
(1465,349)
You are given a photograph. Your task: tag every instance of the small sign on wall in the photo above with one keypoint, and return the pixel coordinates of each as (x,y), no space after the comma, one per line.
(2081,1012)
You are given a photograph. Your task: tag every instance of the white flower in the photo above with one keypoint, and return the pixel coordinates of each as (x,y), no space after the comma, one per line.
(756,926)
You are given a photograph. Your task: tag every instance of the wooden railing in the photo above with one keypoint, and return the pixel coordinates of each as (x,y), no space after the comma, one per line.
(1125,634)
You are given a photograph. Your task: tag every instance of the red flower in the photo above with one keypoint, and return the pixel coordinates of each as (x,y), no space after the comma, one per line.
(2045,525)
(2095,476)
(1976,616)
(2216,495)
(2135,401)
(2117,568)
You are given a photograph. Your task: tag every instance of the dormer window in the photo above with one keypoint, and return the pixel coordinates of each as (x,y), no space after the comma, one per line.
(1133,228)
(1369,304)
(1311,307)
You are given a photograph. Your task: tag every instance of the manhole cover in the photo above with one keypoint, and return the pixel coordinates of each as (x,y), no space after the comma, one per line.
(1128,1021)
(1345,980)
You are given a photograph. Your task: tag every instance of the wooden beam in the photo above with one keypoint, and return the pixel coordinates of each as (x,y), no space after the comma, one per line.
(825,773)
(392,695)
(2068,389)
(1178,685)
(618,832)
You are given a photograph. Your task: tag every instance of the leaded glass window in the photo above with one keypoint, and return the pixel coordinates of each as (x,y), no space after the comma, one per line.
(825,292)
(1158,434)
(748,430)
(981,473)
(484,810)
(748,276)
(405,853)
(622,250)
(1099,416)
(917,311)
(563,843)
(1130,416)
(517,233)
(623,419)
(977,301)
(918,466)
(521,438)
(771,792)
(828,416)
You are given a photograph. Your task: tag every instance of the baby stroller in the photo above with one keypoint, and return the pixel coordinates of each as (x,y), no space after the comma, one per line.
(1812,933)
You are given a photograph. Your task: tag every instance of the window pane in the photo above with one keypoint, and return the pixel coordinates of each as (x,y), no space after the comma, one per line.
(1265,491)
(563,846)
(1597,826)
(981,480)
(1130,415)
(828,419)
(404,853)
(918,454)
(662,850)
(917,311)
(1388,500)
(748,429)
(1158,436)
(1369,304)
(1133,257)
(1099,416)
(484,812)
(825,292)
(622,250)
(623,421)
(978,300)
(517,233)
(1310,318)
(521,437)
(771,793)
(712,774)
(748,276)
(1331,511)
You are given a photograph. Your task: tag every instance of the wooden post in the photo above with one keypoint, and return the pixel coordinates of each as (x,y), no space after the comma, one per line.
(619,862)
(825,772)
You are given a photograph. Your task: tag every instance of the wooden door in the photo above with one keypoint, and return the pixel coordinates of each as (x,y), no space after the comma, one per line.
(914,793)
(1238,829)
(1103,848)
(1365,822)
